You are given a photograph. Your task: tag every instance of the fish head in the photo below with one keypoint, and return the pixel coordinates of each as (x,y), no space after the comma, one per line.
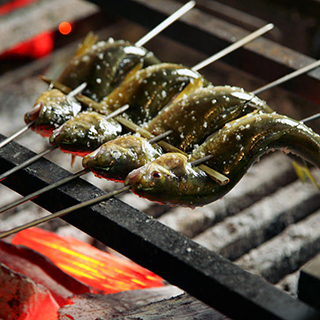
(84,133)
(51,109)
(161,179)
(116,158)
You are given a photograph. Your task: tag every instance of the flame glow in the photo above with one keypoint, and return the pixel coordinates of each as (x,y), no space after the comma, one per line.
(65,28)
(98,269)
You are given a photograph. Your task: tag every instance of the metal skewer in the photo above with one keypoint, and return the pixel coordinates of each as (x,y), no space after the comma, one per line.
(311,118)
(24,129)
(104,197)
(77,90)
(172,18)
(65,180)
(252,36)
(288,77)
(17,134)
(63,212)
(27,162)
(47,151)
(199,66)
(164,24)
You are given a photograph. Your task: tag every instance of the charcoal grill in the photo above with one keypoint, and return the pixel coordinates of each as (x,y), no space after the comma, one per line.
(205,275)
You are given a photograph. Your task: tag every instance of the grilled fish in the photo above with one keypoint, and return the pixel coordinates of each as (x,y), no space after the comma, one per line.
(85,133)
(191,118)
(171,179)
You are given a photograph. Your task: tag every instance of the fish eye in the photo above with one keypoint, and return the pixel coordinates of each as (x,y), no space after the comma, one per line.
(116,154)
(156,174)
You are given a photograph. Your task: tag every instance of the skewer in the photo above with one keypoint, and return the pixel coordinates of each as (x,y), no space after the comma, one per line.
(24,129)
(188,6)
(234,46)
(95,200)
(288,77)
(63,212)
(17,134)
(77,90)
(311,118)
(50,149)
(27,162)
(65,180)
(172,18)
(164,24)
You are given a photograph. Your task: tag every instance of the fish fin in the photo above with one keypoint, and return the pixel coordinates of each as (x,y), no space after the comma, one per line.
(191,87)
(304,173)
(73,158)
(87,43)
(133,71)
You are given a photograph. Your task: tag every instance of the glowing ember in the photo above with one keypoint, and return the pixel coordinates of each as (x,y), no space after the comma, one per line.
(89,265)
(34,48)
(65,28)
(23,299)
(12,5)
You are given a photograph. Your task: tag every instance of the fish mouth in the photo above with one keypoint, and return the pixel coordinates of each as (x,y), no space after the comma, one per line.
(132,177)
(33,114)
(87,160)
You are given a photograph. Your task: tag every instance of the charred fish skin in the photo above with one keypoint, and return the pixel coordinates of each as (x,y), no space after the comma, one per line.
(103,66)
(234,149)
(116,158)
(149,90)
(51,109)
(195,116)
(84,133)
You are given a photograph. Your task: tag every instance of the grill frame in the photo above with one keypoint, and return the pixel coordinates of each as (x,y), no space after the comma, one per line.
(221,282)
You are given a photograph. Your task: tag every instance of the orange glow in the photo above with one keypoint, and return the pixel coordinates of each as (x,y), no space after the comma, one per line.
(65,28)
(12,5)
(100,270)
(35,48)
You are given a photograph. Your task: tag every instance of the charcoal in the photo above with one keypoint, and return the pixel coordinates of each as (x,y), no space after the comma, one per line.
(22,298)
(236,235)
(183,307)
(97,306)
(286,252)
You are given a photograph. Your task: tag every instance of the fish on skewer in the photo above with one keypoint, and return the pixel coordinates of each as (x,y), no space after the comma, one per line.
(171,179)
(102,66)
(88,102)
(234,46)
(146,91)
(191,118)
(180,171)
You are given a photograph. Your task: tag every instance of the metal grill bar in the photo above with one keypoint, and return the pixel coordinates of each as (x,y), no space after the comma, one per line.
(182,262)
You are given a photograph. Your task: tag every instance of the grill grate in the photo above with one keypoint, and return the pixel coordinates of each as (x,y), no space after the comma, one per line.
(175,257)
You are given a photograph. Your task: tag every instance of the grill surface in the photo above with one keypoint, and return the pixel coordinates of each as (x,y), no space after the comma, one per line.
(263,221)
